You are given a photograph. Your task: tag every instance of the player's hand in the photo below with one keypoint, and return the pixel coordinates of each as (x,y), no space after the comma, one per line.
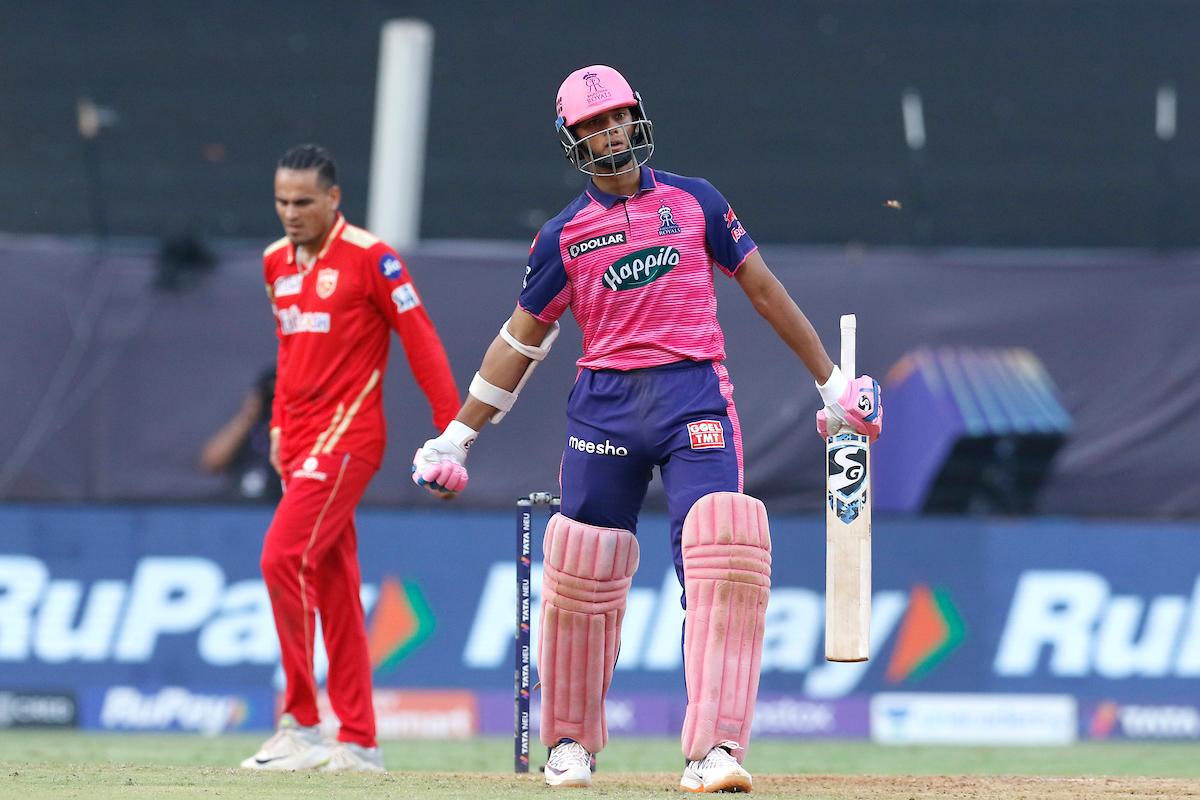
(854,405)
(440,464)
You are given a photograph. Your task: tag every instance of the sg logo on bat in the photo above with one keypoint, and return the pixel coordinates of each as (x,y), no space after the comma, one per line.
(847,475)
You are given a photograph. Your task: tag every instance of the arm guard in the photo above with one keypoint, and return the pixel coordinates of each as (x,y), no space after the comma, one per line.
(503,399)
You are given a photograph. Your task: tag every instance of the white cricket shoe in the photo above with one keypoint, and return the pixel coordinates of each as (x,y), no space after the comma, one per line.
(569,765)
(350,757)
(293,747)
(718,771)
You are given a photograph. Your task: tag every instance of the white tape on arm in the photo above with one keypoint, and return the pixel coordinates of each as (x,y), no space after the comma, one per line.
(529,351)
(535,354)
(491,394)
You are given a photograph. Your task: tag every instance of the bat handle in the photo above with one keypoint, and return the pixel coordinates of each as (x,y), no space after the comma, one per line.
(849,333)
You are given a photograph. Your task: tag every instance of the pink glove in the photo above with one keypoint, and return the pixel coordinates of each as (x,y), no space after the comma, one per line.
(855,405)
(438,465)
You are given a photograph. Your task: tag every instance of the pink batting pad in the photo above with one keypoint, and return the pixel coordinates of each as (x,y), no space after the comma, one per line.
(727,580)
(585,581)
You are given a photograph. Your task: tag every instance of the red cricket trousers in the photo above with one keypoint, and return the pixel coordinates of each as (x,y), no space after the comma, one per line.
(310,564)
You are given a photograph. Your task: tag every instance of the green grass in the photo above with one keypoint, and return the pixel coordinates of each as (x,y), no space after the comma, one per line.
(42,764)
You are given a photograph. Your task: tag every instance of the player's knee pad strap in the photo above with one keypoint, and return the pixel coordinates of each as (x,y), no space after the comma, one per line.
(585,582)
(727,577)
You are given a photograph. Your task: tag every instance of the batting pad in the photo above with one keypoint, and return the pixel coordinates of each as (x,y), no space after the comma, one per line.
(727,580)
(585,582)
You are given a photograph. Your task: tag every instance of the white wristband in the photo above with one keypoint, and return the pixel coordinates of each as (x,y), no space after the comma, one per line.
(834,387)
(491,394)
(460,434)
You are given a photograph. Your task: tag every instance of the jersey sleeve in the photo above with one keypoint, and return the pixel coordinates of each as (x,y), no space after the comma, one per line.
(728,241)
(278,417)
(546,289)
(393,293)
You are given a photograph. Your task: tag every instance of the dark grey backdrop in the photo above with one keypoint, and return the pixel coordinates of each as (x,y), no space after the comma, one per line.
(1040,114)
(109,388)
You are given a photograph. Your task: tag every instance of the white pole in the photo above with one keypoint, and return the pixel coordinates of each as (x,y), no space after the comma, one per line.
(398,139)
(914,119)
(1164,113)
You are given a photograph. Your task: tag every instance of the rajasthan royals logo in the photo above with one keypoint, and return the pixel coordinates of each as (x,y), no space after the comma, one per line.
(847,470)
(596,92)
(666,221)
(326,283)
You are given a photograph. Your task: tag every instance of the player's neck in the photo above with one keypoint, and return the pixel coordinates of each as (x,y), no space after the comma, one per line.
(306,252)
(625,185)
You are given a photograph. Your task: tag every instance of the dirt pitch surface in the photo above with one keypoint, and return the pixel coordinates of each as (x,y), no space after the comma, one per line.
(129,781)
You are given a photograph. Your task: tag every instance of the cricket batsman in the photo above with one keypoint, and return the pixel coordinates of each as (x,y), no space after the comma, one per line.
(632,257)
(337,293)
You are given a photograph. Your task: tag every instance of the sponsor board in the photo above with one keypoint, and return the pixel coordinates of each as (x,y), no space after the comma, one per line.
(415,714)
(38,710)
(661,714)
(973,719)
(1112,720)
(1072,624)
(172,597)
(176,708)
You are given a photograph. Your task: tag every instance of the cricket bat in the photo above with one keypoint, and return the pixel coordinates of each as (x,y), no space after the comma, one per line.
(847,532)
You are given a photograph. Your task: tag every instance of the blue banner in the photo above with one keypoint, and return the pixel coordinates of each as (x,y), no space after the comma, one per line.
(153,598)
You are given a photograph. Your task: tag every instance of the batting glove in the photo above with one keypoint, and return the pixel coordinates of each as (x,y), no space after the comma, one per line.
(850,405)
(439,464)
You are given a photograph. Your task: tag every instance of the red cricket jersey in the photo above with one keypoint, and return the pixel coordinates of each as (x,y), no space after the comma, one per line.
(333,321)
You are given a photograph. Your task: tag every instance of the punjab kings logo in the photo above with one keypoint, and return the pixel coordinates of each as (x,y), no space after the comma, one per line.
(847,470)
(326,283)
(640,268)
(706,434)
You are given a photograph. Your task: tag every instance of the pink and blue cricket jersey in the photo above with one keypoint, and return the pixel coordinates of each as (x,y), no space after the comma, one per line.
(637,274)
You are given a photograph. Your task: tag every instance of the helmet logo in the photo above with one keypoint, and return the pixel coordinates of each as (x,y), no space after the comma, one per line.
(666,221)
(596,93)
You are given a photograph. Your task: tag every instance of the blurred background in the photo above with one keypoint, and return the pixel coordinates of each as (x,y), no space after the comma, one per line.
(1007,194)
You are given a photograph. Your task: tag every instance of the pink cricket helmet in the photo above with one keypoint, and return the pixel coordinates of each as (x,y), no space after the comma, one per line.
(594,90)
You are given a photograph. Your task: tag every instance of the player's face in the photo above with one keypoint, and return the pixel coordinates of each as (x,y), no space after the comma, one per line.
(614,142)
(305,206)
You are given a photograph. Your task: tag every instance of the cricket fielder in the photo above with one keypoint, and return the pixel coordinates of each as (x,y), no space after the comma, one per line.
(337,293)
(632,257)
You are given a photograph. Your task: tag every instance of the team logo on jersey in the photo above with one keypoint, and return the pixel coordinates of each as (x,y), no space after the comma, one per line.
(640,268)
(734,225)
(326,283)
(390,266)
(576,249)
(666,222)
(288,285)
(706,434)
(405,297)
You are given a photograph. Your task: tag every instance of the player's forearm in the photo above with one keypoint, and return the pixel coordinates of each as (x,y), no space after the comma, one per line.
(776,306)
(502,367)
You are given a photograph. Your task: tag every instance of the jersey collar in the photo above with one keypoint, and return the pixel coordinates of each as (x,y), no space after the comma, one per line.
(648,182)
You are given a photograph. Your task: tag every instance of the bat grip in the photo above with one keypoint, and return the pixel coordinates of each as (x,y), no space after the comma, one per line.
(849,334)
